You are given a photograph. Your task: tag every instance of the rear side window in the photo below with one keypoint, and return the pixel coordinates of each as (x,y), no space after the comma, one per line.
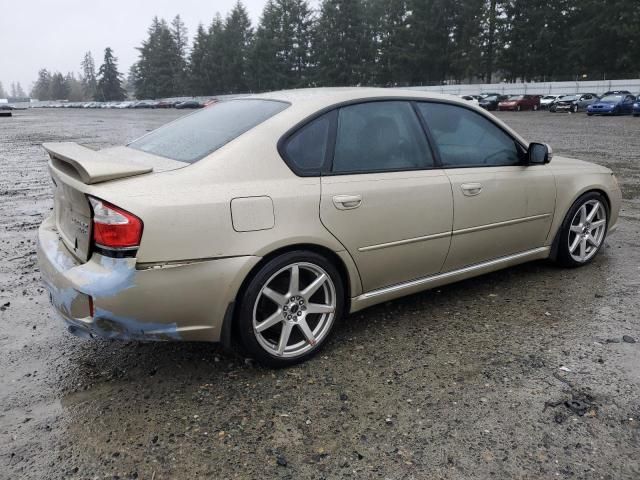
(195,136)
(467,139)
(306,149)
(380,136)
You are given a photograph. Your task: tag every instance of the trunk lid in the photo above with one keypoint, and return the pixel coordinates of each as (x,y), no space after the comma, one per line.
(77,171)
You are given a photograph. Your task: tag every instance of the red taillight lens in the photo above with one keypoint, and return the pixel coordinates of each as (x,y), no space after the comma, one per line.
(114,227)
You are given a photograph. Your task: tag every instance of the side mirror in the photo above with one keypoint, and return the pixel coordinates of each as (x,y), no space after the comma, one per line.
(539,153)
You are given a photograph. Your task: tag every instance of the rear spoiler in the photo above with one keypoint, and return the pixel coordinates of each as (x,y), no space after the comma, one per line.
(93,166)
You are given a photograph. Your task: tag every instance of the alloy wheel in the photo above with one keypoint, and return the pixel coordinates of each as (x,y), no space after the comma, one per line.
(587,230)
(294,310)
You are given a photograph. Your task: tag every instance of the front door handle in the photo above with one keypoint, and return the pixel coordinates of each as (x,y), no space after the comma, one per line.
(471,189)
(347,202)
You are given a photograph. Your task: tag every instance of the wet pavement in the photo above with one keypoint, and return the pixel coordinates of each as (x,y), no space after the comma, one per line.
(520,374)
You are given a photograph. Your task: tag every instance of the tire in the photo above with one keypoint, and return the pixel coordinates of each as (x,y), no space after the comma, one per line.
(589,114)
(535,108)
(574,247)
(270,308)
(636,114)
(552,109)
(518,108)
(574,109)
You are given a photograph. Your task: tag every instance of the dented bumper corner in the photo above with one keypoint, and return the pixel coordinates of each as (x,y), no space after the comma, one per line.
(167,302)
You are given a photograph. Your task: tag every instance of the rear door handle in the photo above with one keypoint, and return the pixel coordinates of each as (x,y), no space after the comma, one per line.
(471,189)
(347,202)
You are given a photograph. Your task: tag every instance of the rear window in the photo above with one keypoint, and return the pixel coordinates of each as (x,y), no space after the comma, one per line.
(195,136)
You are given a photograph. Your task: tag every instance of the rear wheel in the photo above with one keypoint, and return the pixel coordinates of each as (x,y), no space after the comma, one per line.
(289,308)
(518,108)
(583,230)
(574,109)
(535,108)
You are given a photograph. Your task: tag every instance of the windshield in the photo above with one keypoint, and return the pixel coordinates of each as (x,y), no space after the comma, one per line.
(195,136)
(550,97)
(611,99)
(569,97)
(516,97)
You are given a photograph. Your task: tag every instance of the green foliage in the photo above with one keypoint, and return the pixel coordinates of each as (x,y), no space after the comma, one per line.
(89,82)
(3,94)
(109,79)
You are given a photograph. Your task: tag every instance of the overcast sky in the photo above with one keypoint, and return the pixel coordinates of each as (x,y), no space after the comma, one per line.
(54,34)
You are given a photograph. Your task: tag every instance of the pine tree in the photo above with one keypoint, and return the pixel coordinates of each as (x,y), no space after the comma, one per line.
(160,69)
(89,82)
(20,93)
(179,35)
(198,67)
(3,94)
(281,52)
(109,79)
(391,24)
(58,89)
(41,89)
(341,47)
(237,36)
(74,88)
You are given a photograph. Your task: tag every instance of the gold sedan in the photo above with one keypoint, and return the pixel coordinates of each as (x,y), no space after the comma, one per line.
(265,219)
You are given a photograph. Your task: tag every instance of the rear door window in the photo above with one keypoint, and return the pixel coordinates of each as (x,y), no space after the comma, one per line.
(380,136)
(195,136)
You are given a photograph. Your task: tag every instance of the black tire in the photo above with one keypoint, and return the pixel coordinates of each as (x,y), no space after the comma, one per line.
(563,256)
(552,109)
(518,108)
(589,114)
(574,109)
(249,296)
(535,108)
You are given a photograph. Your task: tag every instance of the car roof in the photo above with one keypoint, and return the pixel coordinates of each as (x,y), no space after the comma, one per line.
(318,97)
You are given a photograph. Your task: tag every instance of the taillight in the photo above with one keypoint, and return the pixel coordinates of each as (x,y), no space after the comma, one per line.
(113,227)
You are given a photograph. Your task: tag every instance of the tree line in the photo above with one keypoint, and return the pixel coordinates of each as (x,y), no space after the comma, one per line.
(105,84)
(383,43)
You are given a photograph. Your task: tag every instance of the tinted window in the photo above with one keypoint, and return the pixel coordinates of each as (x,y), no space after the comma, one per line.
(467,139)
(306,148)
(195,136)
(380,136)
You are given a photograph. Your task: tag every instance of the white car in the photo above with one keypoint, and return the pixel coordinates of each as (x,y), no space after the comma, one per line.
(469,98)
(548,100)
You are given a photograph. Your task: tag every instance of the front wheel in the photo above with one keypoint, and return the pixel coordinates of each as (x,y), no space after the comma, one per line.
(583,230)
(289,308)
(535,108)
(574,109)
(518,108)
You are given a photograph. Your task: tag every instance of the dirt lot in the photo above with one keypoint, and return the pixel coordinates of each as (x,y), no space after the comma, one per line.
(521,374)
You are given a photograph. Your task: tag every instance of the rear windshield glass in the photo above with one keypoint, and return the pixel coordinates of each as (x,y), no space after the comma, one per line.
(195,136)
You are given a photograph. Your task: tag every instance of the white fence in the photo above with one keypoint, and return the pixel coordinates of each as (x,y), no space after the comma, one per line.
(542,88)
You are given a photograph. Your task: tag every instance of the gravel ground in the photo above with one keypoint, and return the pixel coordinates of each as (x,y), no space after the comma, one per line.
(520,374)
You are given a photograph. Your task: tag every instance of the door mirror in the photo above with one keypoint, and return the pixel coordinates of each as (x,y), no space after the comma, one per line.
(539,153)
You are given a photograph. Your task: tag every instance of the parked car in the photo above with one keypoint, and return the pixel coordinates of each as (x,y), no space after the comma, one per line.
(616,92)
(145,104)
(164,104)
(520,102)
(125,104)
(491,102)
(636,107)
(285,211)
(547,101)
(488,94)
(189,104)
(619,104)
(6,106)
(574,103)
(469,98)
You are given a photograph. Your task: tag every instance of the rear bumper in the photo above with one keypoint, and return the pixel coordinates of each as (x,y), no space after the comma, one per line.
(184,301)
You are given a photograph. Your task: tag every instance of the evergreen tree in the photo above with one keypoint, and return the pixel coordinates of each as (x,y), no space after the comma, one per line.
(74,88)
(341,47)
(160,70)
(58,89)
(236,44)
(41,89)
(282,46)
(391,24)
(89,82)
(179,35)
(109,79)
(199,81)
(3,94)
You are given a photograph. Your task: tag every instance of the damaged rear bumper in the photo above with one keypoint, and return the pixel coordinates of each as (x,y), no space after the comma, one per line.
(185,301)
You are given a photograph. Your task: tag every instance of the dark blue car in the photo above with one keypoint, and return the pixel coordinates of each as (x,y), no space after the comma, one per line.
(618,104)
